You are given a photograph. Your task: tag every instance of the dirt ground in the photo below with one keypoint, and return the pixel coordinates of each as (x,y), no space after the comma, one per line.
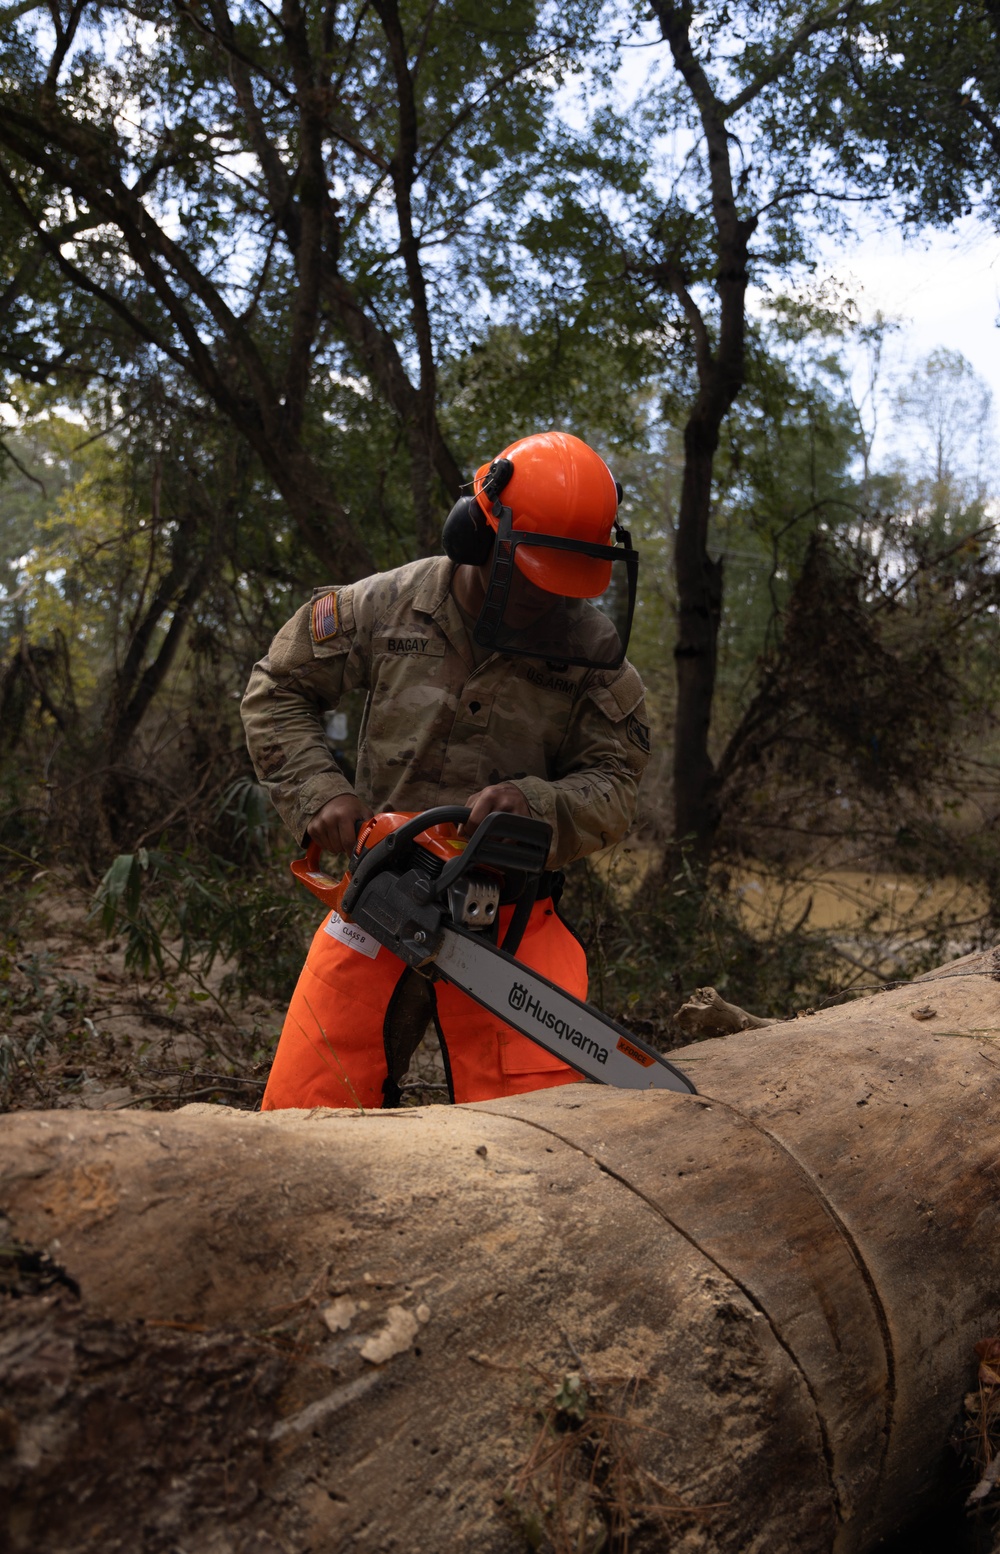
(78,1028)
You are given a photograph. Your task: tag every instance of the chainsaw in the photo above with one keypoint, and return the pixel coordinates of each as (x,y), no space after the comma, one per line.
(433,898)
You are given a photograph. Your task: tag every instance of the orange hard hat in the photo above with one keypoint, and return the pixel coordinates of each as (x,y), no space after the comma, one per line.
(559,486)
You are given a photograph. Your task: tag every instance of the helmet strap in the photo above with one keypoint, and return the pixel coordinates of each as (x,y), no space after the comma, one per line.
(494,604)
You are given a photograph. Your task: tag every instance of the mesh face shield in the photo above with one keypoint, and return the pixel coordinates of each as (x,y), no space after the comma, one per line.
(521,620)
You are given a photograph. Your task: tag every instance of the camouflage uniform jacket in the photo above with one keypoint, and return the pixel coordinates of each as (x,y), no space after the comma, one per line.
(436,728)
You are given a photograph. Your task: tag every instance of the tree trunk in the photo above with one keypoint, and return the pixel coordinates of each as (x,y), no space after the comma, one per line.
(738,1320)
(721,372)
(699,612)
(342,554)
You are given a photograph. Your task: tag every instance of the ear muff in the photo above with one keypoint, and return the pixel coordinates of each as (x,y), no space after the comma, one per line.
(466,537)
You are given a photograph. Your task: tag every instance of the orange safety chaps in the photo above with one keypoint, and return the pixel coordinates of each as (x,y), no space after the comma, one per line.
(357,1015)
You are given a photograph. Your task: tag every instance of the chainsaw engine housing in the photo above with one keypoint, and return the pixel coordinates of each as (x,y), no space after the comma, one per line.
(406,882)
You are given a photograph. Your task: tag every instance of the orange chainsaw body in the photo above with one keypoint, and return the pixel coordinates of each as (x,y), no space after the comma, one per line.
(443,841)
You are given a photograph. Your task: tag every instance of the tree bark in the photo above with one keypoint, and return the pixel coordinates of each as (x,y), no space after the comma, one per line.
(421,424)
(699,581)
(138,680)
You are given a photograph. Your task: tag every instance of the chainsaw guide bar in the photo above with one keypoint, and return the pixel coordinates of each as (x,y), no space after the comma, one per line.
(581,1036)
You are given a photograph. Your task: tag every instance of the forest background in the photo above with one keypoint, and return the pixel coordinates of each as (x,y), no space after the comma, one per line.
(274,279)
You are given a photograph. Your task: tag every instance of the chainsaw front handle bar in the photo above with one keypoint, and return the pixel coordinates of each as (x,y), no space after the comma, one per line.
(515,847)
(510,844)
(394,845)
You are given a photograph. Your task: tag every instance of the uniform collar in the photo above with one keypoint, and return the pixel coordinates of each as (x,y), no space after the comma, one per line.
(434,597)
(435,585)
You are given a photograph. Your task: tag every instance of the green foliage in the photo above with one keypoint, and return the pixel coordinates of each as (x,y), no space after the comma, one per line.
(570,1398)
(29,983)
(178,913)
(55,1004)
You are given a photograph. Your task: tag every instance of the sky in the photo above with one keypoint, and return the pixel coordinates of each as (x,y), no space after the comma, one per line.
(943,287)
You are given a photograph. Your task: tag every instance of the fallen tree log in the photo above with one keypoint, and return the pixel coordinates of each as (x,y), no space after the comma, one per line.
(740,1321)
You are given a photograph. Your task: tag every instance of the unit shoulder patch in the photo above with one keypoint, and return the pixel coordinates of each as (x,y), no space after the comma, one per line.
(638,733)
(619,696)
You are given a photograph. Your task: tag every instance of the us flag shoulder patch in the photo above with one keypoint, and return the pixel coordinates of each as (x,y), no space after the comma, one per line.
(325,619)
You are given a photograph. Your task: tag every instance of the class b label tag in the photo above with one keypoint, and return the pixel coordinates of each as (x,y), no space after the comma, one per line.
(355,938)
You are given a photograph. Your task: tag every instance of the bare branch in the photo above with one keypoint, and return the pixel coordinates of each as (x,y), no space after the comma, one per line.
(13,13)
(79,278)
(312,209)
(64,42)
(420,51)
(110,196)
(470,109)
(983,119)
(35,481)
(785,56)
(187,14)
(279,190)
(668,273)
(337,82)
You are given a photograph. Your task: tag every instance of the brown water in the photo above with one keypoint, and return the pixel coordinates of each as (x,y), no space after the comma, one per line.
(840,900)
(849,899)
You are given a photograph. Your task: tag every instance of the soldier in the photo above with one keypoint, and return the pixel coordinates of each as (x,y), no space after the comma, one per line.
(491,683)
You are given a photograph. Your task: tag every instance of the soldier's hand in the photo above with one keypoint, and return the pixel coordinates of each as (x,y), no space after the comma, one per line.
(499,796)
(334,827)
